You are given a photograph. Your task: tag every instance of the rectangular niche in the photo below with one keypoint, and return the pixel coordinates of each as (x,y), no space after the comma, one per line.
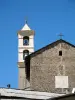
(61,81)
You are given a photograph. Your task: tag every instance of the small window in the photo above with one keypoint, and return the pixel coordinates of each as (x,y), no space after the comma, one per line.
(26,40)
(25,53)
(60,53)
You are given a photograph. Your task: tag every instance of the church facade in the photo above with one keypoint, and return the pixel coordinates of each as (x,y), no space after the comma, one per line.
(49,69)
(52,68)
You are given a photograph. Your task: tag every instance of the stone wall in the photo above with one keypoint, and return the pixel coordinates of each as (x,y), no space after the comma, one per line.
(48,64)
(23,81)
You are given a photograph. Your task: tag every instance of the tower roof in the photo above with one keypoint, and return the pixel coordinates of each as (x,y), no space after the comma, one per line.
(25,27)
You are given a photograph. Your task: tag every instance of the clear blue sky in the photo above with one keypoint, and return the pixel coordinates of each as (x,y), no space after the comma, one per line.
(47,17)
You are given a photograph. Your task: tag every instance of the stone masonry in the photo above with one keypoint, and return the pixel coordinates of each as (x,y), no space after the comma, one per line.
(45,65)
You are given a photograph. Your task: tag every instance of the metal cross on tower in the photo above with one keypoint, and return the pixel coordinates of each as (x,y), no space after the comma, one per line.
(26,20)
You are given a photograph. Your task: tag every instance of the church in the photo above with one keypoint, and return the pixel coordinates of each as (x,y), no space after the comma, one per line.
(49,69)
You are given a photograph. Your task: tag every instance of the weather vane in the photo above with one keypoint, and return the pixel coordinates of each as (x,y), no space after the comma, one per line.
(60,35)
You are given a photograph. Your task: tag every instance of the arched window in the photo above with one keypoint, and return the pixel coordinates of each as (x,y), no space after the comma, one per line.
(25,53)
(26,40)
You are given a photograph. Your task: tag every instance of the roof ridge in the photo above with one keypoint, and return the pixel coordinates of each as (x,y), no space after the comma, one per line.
(60,40)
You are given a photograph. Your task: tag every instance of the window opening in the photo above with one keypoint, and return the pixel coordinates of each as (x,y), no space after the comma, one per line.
(60,53)
(26,40)
(25,53)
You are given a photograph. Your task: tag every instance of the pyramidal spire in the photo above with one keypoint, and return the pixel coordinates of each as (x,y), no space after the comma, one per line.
(25,27)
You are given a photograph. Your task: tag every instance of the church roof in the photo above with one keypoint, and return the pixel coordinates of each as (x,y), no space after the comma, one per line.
(25,94)
(25,27)
(50,45)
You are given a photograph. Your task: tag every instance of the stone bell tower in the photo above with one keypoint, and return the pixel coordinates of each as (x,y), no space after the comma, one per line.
(25,47)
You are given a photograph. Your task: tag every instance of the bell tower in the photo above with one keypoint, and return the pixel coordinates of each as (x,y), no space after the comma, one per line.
(25,47)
